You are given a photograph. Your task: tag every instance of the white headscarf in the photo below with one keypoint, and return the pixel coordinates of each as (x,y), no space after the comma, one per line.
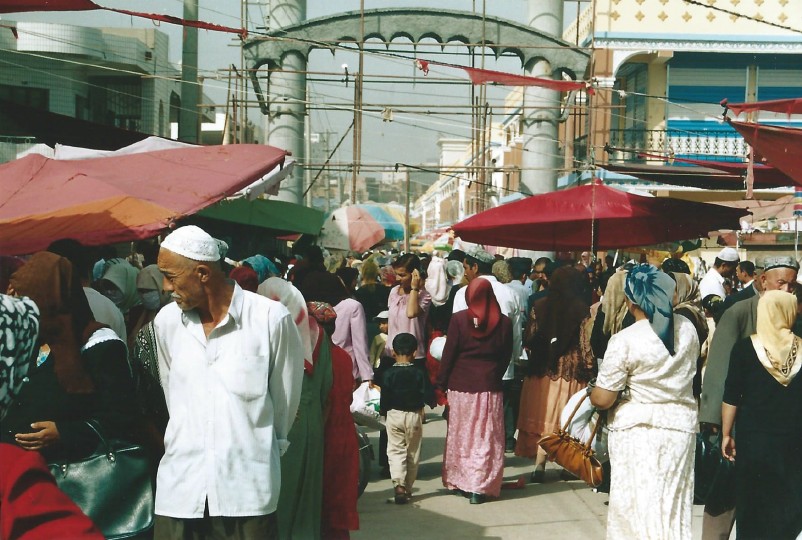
(437,281)
(285,292)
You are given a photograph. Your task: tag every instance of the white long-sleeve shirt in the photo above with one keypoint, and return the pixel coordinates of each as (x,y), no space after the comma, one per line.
(232,398)
(510,306)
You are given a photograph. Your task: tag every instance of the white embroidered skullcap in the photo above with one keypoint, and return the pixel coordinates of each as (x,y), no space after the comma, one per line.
(194,243)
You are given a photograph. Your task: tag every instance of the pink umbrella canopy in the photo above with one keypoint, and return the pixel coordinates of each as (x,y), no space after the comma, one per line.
(351,228)
(594,216)
(116,199)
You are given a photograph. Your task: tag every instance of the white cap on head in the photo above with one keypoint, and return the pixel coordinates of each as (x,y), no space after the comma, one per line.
(194,243)
(729,254)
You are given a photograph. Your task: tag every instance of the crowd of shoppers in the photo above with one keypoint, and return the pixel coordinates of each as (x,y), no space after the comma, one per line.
(239,382)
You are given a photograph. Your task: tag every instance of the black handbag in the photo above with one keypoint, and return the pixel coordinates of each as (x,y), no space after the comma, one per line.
(112,486)
(714,475)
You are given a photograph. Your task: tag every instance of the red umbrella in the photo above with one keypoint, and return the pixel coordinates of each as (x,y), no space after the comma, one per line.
(594,216)
(120,198)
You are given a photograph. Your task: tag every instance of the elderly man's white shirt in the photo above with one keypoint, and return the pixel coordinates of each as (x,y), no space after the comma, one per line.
(510,306)
(232,399)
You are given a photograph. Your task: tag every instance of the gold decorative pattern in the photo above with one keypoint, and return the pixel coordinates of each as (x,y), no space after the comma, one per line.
(733,18)
(662,16)
(687,16)
(639,15)
(783,17)
(711,17)
(783,2)
(640,2)
(758,16)
(735,2)
(664,2)
(614,15)
(759,2)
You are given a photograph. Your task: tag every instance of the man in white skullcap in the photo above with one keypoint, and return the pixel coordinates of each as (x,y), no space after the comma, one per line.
(231,365)
(723,267)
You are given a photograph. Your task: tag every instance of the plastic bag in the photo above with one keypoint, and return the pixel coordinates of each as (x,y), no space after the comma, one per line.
(365,406)
(582,424)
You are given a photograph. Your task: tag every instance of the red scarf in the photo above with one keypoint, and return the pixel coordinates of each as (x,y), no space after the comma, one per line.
(483,307)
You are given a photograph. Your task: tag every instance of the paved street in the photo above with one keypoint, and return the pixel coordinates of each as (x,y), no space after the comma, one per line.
(555,509)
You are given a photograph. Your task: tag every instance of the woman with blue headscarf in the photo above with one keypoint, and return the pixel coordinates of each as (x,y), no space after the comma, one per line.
(646,380)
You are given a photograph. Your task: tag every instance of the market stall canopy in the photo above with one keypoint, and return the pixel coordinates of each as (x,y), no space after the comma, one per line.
(780,210)
(279,217)
(120,198)
(781,146)
(718,175)
(268,184)
(594,216)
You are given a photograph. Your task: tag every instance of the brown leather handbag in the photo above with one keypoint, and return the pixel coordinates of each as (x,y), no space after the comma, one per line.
(572,454)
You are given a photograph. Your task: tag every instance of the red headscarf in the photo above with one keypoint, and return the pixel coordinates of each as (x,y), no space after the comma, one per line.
(482,307)
(246,276)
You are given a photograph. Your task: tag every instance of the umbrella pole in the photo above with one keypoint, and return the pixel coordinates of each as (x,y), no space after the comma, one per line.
(796,238)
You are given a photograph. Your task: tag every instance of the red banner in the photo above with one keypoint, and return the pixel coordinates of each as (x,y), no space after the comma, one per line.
(15,6)
(18,6)
(243,33)
(484,76)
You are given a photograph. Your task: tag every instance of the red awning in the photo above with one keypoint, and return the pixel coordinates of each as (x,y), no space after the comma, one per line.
(595,216)
(115,199)
(787,106)
(781,146)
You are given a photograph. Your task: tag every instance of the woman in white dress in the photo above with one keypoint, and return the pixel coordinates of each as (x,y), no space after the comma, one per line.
(646,380)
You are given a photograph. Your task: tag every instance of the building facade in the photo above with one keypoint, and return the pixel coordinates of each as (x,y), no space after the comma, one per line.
(116,77)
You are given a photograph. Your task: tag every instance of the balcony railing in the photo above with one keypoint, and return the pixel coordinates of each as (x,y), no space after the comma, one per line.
(721,145)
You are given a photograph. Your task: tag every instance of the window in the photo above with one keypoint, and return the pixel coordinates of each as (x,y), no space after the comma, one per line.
(38,98)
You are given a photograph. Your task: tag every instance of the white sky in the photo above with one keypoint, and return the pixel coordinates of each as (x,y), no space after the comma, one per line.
(409,138)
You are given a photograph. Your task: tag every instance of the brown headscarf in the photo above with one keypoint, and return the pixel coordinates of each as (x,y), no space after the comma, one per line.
(483,308)
(558,317)
(66,321)
(688,303)
(614,303)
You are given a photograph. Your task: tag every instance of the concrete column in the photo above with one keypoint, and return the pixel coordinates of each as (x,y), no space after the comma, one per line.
(189,115)
(540,155)
(657,86)
(287,96)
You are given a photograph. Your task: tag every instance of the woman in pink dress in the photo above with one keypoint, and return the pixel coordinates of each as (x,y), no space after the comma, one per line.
(475,357)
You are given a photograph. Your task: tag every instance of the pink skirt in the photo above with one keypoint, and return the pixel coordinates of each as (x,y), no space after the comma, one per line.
(473,460)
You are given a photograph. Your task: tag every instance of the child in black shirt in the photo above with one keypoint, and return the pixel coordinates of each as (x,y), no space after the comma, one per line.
(402,400)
